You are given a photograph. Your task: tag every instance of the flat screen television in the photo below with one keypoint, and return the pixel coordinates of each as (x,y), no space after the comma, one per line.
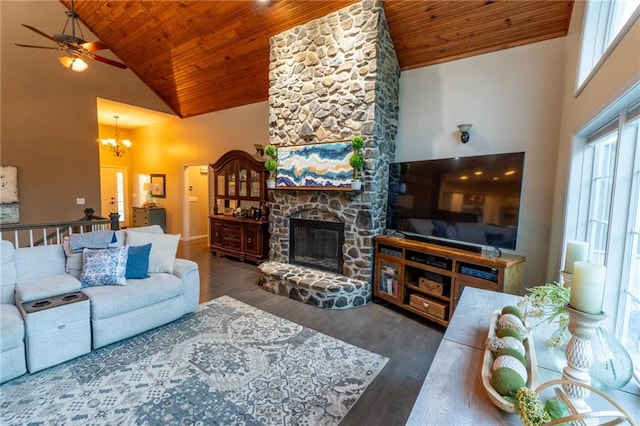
(465,202)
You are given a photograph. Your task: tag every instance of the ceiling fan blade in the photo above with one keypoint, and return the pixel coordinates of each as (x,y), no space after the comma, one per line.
(40,32)
(38,47)
(107,61)
(92,46)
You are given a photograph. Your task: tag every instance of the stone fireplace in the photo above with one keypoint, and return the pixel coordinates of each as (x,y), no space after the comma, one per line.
(329,80)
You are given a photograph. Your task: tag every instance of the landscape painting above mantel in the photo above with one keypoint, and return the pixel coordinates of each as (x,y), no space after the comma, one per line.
(315,166)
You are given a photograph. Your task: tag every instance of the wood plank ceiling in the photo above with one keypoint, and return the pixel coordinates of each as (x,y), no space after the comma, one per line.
(204,56)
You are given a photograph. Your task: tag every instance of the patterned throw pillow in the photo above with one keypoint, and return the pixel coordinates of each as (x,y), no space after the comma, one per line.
(104,266)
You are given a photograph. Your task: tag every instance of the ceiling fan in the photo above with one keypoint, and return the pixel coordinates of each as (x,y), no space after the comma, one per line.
(76,47)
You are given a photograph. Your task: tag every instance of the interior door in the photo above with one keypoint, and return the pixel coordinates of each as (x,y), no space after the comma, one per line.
(113,187)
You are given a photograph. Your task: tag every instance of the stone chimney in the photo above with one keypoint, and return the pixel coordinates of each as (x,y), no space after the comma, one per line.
(331,79)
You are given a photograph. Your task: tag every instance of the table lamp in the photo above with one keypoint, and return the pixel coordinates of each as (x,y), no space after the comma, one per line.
(147,188)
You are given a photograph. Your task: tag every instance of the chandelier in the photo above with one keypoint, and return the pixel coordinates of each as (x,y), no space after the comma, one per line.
(116,145)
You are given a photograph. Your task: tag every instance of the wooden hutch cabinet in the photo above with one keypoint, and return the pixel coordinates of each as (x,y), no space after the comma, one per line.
(239,180)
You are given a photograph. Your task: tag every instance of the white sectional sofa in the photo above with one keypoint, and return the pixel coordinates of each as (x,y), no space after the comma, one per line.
(40,328)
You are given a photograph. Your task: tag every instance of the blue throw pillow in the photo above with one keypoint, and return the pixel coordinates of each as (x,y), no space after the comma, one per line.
(138,262)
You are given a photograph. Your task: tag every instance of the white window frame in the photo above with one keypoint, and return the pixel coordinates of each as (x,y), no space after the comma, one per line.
(627,255)
(621,219)
(596,32)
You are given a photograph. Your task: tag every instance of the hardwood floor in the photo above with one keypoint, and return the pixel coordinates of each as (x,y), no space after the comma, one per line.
(409,342)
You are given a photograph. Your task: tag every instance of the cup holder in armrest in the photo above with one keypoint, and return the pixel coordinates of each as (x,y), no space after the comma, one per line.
(69,297)
(53,302)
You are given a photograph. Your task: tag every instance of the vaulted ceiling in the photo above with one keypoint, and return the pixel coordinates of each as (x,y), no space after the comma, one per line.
(205,56)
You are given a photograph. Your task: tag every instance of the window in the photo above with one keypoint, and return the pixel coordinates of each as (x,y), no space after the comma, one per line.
(602,153)
(605,24)
(611,187)
(630,297)
(120,195)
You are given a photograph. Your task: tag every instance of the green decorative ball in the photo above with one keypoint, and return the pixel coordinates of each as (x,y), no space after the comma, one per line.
(512,342)
(511,352)
(512,321)
(506,361)
(506,381)
(510,309)
(504,332)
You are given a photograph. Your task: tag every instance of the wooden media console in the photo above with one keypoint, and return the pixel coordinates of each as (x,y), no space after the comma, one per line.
(427,279)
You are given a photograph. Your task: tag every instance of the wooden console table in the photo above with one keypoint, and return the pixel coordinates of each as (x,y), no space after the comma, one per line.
(452,392)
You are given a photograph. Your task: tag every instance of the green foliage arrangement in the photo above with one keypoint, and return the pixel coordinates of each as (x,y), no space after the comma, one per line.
(357,143)
(532,413)
(272,163)
(547,302)
(270,150)
(357,159)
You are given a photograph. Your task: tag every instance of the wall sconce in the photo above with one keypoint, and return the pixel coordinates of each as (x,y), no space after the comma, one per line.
(259,149)
(464,132)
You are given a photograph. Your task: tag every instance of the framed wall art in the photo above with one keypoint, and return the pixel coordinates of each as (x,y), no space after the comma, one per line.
(158,185)
(9,207)
(315,166)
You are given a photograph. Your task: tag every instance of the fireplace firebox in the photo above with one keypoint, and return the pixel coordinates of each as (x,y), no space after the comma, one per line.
(316,243)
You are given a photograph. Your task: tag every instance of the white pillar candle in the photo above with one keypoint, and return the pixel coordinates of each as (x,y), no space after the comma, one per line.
(587,288)
(575,251)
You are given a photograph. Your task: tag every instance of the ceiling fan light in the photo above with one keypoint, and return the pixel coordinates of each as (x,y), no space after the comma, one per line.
(79,65)
(75,64)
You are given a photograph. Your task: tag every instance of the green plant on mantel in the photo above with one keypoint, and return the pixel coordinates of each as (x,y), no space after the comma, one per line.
(272,163)
(357,159)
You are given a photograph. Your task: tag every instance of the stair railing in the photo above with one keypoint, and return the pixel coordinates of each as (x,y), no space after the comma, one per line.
(30,235)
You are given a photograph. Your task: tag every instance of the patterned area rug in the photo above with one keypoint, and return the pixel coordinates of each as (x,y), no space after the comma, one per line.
(227,364)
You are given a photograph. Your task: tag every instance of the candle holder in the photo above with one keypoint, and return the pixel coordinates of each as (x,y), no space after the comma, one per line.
(567,279)
(582,327)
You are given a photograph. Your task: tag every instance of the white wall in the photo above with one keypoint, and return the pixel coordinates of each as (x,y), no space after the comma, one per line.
(513,98)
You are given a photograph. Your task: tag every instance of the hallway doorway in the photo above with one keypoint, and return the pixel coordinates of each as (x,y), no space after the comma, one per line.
(196,202)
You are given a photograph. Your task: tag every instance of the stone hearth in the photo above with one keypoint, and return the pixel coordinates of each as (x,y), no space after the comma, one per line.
(331,79)
(314,287)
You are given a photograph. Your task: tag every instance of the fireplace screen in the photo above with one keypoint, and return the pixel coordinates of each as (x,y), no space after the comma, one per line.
(317,244)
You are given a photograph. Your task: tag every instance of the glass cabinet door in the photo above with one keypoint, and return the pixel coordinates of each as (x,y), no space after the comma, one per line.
(242,180)
(221,189)
(255,184)
(231,180)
